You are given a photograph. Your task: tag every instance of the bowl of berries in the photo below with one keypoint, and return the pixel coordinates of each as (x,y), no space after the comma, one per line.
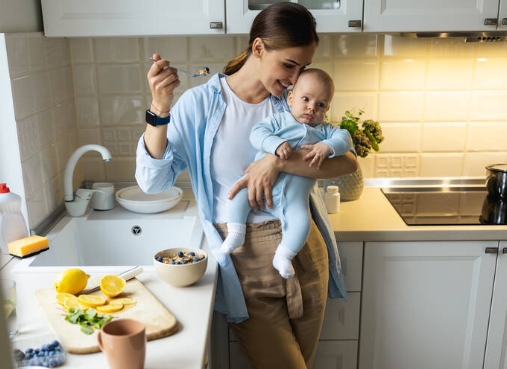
(180,266)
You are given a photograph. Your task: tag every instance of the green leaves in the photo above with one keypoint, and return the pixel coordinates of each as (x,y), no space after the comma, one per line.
(89,320)
(366,138)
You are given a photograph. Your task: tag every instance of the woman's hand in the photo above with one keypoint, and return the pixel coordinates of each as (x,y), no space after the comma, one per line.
(162,80)
(260,177)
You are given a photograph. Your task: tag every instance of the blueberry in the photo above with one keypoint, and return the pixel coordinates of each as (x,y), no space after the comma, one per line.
(29,350)
(191,253)
(180,254)
(184,262)
(195,259)
(159,258)
(173,262)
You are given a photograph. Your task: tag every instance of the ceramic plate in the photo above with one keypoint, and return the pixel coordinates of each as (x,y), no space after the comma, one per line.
(134,199)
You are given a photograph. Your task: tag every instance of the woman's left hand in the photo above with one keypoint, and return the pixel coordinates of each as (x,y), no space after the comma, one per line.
(260,177)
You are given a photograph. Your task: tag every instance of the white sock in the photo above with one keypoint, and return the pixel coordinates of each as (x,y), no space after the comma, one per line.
(235,237)
(282,262)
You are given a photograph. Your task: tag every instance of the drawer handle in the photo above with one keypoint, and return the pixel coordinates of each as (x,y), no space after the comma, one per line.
(355,23)
(216,25)
(504,250)
(492,250)
(490,22)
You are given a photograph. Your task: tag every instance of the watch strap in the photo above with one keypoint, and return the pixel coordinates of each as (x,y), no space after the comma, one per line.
(154,120)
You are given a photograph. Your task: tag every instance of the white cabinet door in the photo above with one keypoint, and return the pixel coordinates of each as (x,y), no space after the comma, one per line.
(496,350)
(425,304)
(502,15)
(77,18)
(428,15)
(331,16)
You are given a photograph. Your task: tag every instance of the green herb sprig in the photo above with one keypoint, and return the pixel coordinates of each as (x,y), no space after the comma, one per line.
(89,320)
(368,137)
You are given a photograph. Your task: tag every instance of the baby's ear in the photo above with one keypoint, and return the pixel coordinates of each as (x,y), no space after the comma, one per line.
(289,98)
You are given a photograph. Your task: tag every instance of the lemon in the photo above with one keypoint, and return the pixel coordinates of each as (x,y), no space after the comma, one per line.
(112,285)
(91,300)
(71,280)
(109,308)
(9,307)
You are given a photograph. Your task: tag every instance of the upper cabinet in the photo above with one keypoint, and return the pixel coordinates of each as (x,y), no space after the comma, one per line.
(331,16)
(92,18)
(434,15)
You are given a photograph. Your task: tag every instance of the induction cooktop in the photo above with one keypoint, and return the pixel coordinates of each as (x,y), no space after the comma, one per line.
(439,206)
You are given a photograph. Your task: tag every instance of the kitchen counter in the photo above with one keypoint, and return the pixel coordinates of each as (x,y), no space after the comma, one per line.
(373,218)
(191,306)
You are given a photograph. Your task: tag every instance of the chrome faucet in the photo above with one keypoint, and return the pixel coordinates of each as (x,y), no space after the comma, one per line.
(77,205)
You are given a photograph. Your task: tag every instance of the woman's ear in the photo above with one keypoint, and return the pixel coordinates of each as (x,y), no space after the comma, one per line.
(257,47)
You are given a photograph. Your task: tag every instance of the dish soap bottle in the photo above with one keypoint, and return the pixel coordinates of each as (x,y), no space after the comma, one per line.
(332,199)
(12,223)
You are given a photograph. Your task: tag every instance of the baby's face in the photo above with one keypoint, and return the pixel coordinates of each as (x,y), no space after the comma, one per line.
(309,100)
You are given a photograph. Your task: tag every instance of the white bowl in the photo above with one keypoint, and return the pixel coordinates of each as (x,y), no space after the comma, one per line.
(180,275)
(134,199)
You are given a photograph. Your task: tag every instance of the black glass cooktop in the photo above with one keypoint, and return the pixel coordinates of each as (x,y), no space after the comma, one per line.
(445,206)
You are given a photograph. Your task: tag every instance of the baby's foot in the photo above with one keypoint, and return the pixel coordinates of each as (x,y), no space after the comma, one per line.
(232,242)
(283,262)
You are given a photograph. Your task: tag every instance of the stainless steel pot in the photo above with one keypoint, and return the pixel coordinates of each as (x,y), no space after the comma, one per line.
(494,211)
(496,183)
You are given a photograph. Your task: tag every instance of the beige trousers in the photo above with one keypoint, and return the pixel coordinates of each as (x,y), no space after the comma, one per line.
(285,316)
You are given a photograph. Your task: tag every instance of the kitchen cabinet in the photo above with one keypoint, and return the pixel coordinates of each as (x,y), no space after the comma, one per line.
(428,304)
(339,338)
(331,16)
(91,18)
(435,15)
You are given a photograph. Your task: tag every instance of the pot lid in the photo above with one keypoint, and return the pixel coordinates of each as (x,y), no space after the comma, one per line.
(497,167)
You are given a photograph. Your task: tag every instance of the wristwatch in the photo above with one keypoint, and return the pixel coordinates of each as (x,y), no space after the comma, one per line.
(153,120)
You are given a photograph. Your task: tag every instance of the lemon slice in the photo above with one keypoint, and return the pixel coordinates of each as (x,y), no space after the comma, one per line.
(92,300)
(122,301)
(61,297)
(109,308)
(73,302)
(112,285)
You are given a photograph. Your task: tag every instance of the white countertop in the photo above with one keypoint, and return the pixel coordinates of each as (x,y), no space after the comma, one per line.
(373,218)
(191,306)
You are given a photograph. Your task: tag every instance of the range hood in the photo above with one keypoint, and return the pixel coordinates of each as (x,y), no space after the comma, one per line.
(491,36)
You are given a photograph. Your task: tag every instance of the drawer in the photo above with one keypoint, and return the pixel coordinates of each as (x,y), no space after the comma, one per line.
(351,256)
(341,321)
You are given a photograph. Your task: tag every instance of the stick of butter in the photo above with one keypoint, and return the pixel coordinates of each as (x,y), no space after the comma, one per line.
(28,246)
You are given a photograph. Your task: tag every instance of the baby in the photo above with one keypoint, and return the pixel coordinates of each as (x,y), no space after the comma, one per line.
(301,128)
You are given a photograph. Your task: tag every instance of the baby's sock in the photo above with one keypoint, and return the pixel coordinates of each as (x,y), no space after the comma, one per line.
(282,262)
(235,237)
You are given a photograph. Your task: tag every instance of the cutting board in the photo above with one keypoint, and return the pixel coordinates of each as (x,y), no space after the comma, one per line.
(159,321)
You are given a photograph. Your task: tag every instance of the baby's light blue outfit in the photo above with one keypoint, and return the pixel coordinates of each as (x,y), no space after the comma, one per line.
(290,192)
(191,135)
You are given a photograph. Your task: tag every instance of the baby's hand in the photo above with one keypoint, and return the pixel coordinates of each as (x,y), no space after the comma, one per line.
(317,154)
(284,150)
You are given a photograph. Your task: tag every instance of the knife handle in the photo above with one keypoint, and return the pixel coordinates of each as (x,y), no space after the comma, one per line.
(131,273)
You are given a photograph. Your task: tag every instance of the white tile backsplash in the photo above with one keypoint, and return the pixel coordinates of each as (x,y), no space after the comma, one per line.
(442,103)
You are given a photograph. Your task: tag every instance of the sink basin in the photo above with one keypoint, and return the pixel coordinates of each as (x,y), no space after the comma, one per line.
(117,238)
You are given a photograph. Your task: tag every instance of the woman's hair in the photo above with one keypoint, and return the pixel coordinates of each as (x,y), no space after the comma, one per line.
(280,26)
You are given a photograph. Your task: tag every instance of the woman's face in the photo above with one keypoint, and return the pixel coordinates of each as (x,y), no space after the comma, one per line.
(281,68)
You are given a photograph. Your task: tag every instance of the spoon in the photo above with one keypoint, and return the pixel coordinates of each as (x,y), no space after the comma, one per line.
(204,71)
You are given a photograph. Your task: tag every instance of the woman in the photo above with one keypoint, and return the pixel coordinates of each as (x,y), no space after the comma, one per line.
(277,321)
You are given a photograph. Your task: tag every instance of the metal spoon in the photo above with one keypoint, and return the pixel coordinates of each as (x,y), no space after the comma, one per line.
(204,71)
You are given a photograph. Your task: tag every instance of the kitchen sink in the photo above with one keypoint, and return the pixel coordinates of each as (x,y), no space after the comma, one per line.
(117,238)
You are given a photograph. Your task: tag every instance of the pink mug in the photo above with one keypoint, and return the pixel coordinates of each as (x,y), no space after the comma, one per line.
(123,341)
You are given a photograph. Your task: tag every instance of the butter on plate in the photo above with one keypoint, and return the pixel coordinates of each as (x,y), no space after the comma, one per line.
(28,246)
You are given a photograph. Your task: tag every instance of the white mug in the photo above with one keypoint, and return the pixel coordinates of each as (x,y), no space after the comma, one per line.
(103,196)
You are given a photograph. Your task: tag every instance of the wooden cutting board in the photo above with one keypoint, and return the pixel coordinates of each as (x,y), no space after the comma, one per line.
(159,321)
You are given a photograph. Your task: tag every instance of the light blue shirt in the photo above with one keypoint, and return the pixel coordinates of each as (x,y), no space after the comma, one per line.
(195,119)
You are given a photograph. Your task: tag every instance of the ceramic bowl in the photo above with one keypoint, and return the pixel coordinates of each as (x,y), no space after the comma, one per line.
(182,274)
(134,199)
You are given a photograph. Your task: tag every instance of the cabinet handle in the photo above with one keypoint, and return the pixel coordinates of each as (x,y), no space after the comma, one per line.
(490,22)
(504,21)
(216,25)
(504,250)
(355,23)
(491,250)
